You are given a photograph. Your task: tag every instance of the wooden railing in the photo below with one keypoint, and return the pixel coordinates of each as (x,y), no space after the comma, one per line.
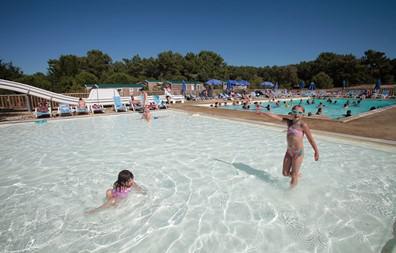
(20,101)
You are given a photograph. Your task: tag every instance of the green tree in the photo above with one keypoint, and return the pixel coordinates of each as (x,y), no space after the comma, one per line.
(210,66)
(86,78)
(118,78)
(323,80)
(37,80)
(9,72)
(170,65)
(97,63)
(378,65)
(66,65)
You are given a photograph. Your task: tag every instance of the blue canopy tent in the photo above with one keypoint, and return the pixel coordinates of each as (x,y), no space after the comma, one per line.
(377,84)
(312,86)
(214,82)
(231,84)
(302,85)
(183,88)
(243,83)
(267,85)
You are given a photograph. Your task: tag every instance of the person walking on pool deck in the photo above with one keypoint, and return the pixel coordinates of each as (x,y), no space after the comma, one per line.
(294,155)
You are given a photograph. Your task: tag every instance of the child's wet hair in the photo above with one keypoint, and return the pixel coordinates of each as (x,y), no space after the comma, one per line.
(123,177)
(298,106)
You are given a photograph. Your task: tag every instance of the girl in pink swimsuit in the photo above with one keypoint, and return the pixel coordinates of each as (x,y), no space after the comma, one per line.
(294,155)
(121,188)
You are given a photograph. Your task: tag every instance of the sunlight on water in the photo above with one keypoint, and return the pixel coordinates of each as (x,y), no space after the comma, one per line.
(213,186)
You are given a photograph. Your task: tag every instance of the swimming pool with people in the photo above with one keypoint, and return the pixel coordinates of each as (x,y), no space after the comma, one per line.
(332,110)
(213,185)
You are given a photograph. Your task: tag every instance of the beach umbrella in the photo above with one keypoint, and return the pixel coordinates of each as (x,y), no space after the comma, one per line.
(267,85)
(183,88)
(276,86)
(302,85)
(312,86)
(214,82)
(377,84)
(243,83)
(231,84)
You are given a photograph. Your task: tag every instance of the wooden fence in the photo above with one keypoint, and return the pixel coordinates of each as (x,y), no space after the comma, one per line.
(20,101)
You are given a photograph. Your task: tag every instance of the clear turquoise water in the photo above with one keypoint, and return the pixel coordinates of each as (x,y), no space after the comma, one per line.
(333,111)
(213,186)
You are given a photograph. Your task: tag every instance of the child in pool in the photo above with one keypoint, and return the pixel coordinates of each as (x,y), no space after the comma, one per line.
(124,184)
(294,155)
(146,114)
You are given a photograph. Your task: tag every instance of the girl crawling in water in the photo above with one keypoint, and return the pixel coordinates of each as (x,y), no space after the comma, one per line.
(124,184)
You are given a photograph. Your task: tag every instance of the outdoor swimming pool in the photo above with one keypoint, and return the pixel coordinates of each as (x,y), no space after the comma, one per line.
(213,186)
(330,110)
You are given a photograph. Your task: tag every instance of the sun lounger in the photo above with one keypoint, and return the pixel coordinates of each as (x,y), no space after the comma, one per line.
(118,105)
(177,98)
(81,110)
(159,102)
(42,111)
(64,110)
(97,108)
(39,114)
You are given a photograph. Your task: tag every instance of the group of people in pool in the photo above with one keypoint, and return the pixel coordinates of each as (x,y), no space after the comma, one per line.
(293,158)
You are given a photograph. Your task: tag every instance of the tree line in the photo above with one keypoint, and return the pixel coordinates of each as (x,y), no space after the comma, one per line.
(69,73)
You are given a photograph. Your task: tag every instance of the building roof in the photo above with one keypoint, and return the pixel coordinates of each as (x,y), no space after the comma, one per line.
(153,81)
(114,85)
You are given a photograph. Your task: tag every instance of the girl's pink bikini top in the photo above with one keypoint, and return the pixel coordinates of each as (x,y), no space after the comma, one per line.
(294,131)
(120,193)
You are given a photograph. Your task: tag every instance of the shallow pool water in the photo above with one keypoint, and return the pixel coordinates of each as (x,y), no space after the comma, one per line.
(213,186)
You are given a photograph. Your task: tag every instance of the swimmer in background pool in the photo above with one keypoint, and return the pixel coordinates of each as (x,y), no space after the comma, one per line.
(294,155)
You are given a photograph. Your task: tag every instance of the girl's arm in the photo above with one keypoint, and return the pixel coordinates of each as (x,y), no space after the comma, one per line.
(273,116)
(139,188)
(311,140)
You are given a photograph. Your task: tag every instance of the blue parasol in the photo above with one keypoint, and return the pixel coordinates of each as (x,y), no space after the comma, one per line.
(243,83)
(267,85)
(214,82)
(312,86)
(231,84)
(302,85)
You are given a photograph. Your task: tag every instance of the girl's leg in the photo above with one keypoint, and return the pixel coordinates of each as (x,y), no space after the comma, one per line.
(109,194)
(287,164)
(295,171)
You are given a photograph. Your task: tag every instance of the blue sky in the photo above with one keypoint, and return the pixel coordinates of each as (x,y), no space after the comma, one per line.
(254,33)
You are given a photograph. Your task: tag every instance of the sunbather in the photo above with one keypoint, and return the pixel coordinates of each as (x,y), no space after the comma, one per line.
(42,107)
(81,104)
